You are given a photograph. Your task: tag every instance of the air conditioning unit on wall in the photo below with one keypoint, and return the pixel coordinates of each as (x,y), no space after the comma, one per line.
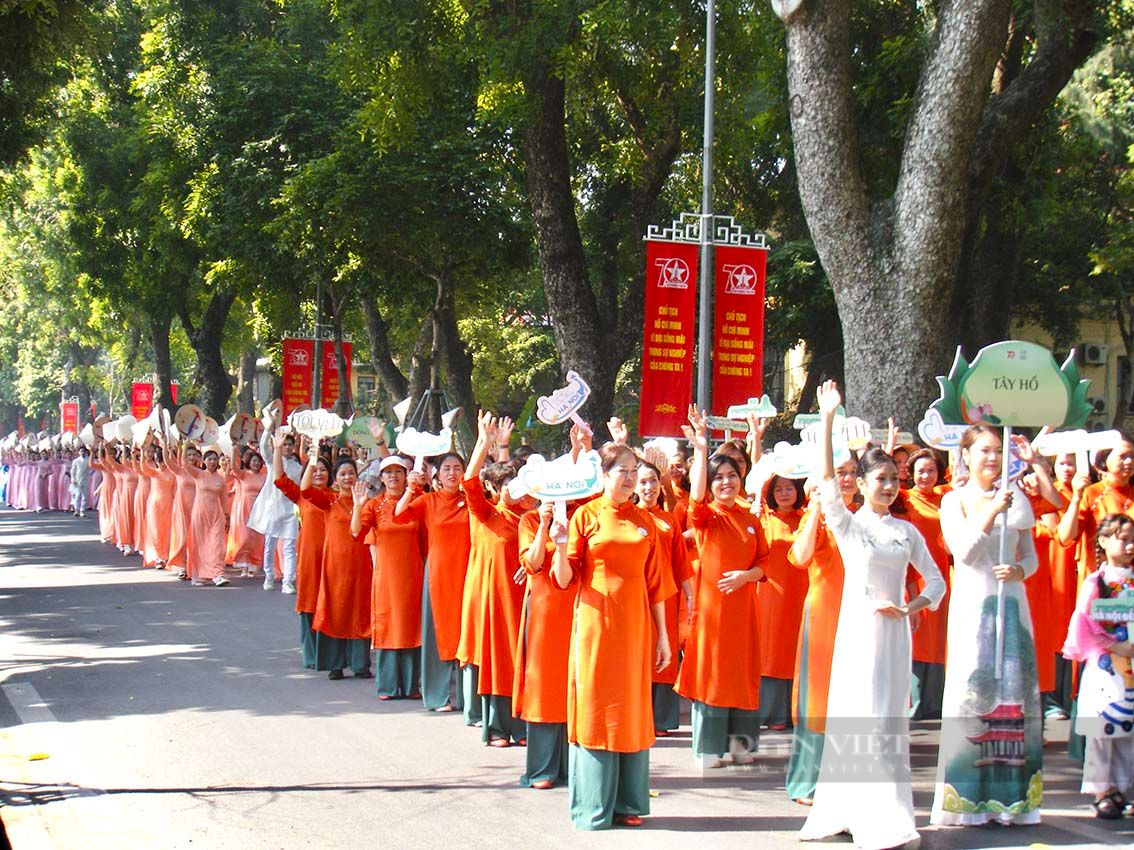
(1094,353)
(1097,425)
(1098,405)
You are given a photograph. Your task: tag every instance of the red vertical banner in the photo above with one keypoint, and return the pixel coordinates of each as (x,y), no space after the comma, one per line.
(70,417)
(173,392)
(141,400)
(667,343)
(738,338)
(297,362)
(329,380)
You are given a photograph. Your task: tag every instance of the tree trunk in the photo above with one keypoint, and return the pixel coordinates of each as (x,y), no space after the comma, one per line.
(213,378)
(582,333)
(421,363)
(163,364)
(892,264)
(455,359)
(246,382)
(390,377)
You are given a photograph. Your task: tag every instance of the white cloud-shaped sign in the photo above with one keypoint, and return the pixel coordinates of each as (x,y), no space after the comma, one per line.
(793,461)
(424,444)
(1070,442)
(560,479)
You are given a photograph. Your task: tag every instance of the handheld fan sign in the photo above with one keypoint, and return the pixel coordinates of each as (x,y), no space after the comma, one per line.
(564,403)
(242,429)
(190,421)
(211,432)
(421,444)
(316,424)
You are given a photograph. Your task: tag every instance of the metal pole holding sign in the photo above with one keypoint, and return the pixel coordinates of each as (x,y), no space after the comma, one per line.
(1003,559)
(705,314)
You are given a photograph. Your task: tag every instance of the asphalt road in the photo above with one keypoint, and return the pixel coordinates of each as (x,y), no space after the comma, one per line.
(139,712)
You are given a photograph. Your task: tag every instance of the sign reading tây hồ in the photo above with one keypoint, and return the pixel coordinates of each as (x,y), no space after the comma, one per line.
(1016,384)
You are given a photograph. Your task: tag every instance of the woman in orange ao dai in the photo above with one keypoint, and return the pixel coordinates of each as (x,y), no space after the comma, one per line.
(816,551)
(342,611)
(397,584)
(610,563)
(722,677)
(923,509)
(539,690)
(780,600)
(672,560)
(494,593)
(312,531)
(444,513)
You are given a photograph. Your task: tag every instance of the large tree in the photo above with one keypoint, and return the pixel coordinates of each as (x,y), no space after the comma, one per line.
(893,246)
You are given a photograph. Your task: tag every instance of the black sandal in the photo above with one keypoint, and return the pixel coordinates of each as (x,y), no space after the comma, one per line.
(365,674)
(335,675)
(1107,808)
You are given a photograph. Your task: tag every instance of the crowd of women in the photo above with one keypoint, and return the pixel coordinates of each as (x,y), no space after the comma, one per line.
(839,608)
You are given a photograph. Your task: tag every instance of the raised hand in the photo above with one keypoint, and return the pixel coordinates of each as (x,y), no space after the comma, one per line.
(360,491)
(486,426)
(618,430)
(757,425)
(416,481)
(1023,449)
(580,440)
(828,397)
(697,431)
(504,428)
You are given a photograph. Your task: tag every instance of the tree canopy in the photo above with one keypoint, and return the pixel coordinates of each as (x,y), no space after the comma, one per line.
(469,184)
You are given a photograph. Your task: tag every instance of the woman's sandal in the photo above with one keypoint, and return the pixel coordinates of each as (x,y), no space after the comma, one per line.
(1108,808)
(627,820)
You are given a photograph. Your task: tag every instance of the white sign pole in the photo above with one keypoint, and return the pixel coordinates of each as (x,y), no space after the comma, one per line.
(1004,484)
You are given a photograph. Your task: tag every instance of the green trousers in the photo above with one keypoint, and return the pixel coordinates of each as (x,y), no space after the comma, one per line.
(470,675)
(496,712)
(667,707)
(437,676)
(806,745)
(603,784)
(399,672)
(714,726)
(1059,700)
(775,701)
(546,756)
(307,639)
(339,653)
(927,687)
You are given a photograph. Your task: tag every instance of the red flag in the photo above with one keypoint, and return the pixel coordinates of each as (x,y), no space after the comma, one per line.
(141,400)
(297,354)
(667,342)
(738,338)
(70,419)
(329,382)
